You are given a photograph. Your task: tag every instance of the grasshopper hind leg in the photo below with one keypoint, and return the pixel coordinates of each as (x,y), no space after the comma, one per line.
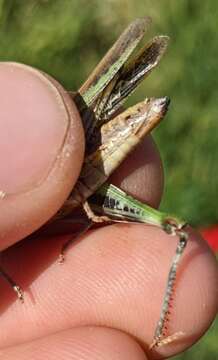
(84,228)
(92,216)
(13,284)
(160,336)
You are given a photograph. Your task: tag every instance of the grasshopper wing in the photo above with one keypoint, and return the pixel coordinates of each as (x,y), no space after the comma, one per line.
(114,60)
(133,72)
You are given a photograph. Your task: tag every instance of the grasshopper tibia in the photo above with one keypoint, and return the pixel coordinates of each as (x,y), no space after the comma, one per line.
(92,216)
(86,225)
(159,337)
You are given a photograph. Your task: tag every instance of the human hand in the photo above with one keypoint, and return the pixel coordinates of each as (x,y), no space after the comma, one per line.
(104,302)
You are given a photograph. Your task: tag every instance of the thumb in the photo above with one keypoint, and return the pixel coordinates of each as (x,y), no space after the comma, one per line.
(41,149)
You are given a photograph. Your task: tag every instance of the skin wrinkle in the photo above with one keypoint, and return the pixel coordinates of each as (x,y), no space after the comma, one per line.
(83,343)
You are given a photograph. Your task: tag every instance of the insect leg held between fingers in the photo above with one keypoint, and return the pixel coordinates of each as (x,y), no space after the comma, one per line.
(160,337)
(84,228)
(119,206)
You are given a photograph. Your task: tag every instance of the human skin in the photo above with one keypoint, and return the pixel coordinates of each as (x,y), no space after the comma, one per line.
(104,301)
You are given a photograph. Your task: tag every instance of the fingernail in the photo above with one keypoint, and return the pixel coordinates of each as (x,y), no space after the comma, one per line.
(33,125)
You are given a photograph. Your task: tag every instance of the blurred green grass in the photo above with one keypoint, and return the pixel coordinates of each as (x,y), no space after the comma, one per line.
(67,38)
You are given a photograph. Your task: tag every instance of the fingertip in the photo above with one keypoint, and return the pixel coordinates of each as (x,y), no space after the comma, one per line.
(134,263)
(41,151)
(85,343)
(194,302)
(115,277)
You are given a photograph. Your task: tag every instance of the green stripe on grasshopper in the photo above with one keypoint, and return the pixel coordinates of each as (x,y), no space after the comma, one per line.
(113,60)
(112,201)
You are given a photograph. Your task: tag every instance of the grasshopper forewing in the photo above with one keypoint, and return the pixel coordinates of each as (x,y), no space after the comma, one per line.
(108,68)
(118,74)
(132,73)
(114,79)
(114,60)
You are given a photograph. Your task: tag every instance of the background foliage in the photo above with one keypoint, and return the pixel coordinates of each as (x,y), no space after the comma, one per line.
(66,38)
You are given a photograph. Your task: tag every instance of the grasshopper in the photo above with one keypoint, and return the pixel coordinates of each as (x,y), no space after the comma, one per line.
(111,137)
(109,141)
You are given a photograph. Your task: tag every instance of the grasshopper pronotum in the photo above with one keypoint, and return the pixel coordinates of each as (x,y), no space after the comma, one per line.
(110,138)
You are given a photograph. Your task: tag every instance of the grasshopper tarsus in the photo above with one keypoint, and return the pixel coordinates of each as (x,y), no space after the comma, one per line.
(18,290)
(61,257)
(92,216)
(166,340)
(85,227)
